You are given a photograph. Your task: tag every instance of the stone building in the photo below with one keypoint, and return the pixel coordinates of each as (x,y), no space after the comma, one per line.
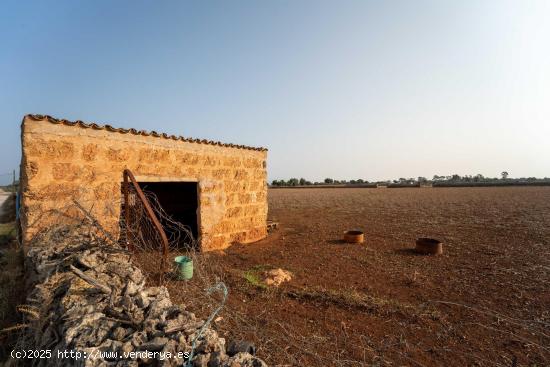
(218,189)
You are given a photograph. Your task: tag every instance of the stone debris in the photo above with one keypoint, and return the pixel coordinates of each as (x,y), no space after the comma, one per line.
(276,277)
(91,298)
(272,226)
(234,348)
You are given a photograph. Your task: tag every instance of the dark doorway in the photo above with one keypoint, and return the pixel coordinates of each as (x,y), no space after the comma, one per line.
(178,199)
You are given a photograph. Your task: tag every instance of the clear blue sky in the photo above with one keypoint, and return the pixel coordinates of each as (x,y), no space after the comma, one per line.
(342,89)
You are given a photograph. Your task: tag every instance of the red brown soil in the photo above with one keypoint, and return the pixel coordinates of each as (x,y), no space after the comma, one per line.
(485,301)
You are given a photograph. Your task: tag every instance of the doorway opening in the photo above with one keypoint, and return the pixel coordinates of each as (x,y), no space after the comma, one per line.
(179,200)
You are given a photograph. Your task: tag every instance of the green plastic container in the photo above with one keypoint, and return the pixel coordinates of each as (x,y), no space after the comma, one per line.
(184,267)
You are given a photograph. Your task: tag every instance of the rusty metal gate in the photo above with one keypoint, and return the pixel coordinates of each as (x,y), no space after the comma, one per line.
(149,232)
(142,232)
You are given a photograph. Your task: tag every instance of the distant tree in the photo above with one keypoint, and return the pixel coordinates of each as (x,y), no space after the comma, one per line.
(360,181)
(353,182)
(302,181)
(456,177)
(329,180)
(422,179)
(293,182)
(479,177)
(504,175)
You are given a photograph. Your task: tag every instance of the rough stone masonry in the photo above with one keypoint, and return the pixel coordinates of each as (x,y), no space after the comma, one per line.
(87,297)
(63,161)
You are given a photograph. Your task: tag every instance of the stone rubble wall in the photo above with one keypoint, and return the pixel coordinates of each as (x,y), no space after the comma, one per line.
(90,298)
(63,163)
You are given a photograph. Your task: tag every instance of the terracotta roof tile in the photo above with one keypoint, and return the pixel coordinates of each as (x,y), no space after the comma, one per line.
(133,131)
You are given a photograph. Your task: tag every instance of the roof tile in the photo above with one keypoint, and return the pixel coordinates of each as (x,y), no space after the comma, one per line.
(133,131)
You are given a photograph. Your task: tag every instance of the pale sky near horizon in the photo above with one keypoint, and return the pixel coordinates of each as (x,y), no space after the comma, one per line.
(343,89)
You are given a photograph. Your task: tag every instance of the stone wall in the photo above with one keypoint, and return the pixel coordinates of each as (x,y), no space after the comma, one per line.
(64,161)
(88,305)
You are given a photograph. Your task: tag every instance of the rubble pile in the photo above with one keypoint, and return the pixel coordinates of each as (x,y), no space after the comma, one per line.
(92,300)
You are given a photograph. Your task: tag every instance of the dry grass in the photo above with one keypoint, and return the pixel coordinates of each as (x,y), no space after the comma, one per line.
(353,299)
(11,294)
(11,264)
(7,233)
(7,229)
(7,210)
(11,283)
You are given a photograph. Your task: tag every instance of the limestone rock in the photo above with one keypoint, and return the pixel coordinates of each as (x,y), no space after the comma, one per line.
(244,360)
(276,277)
(129,318)
(154,345)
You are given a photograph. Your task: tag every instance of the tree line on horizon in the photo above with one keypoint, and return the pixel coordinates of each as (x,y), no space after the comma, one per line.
(436,180)
(326,181)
